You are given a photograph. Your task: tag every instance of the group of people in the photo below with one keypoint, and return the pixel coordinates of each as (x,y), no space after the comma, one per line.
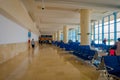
(45,41)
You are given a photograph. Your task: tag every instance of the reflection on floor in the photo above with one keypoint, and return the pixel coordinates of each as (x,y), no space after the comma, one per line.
(47,62)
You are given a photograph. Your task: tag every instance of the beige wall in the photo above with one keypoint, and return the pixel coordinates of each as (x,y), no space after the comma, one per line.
(8,51)
(16,11)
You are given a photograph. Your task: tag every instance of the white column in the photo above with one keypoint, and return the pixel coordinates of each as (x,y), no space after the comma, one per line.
(58,35)
(65,34)
(92,30)
(85,26)
(53,37)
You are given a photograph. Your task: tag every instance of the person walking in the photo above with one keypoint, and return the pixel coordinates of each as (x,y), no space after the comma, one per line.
(33,43)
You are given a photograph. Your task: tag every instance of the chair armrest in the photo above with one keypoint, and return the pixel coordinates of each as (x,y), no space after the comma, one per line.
(109,68)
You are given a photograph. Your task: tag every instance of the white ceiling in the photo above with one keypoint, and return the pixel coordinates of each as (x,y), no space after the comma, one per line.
(58,13)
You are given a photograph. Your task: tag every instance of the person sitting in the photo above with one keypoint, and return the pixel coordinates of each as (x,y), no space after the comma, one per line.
(92,43)
(112,50)
(104,41)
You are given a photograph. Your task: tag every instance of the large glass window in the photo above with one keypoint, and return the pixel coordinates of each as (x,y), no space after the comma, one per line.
(72,34)
(111,19)
(118,25)
(118,30)
(118,34)
(96,39)
(106,37)
(118,17)
(111,39)
(109,29)
(78,33)
(112,27)
(69,34)
(96,30)
(105,29)
(106,20)
(92,32)
(100,29)
(61,36)
(100,23)
(100,38)
(105,26)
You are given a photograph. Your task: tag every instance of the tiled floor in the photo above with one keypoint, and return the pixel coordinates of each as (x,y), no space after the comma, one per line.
(47,63)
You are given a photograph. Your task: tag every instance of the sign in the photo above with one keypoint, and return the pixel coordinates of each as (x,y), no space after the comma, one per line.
(29,34)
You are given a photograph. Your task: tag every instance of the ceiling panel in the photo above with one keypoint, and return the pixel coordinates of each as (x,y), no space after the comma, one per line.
(58,13)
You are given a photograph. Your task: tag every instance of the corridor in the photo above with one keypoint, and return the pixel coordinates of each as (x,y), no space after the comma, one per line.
(46,62)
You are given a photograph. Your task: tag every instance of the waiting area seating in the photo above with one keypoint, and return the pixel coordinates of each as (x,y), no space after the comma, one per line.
(82,51)
(109,63)
(102,46)
(112,65)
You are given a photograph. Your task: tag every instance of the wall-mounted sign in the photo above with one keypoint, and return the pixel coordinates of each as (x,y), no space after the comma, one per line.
(29,34)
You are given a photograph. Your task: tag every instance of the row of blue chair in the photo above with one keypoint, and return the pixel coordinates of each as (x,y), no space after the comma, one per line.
(102,46)
(112,63)
(85,52)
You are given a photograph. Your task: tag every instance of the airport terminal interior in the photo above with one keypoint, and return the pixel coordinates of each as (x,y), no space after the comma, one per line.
(59,40)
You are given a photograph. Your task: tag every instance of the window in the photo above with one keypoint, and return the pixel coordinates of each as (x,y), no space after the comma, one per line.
(106,36)
(61,36)
(112,27)
(78,33)
(72,34)
(111,19)
(106,21)
(105,28)
(118,17)
(118,34)
(96,38)
(100,23)
(118,26)
(100,38)
(100,29)
(111,39)
(96,30)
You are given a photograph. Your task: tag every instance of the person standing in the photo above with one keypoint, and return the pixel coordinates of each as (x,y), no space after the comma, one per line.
(33,43)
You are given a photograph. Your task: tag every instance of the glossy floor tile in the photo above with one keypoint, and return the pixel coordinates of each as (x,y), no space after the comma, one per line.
(47,62)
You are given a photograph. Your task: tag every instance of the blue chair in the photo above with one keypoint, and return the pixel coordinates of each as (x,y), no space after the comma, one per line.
(112,64)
